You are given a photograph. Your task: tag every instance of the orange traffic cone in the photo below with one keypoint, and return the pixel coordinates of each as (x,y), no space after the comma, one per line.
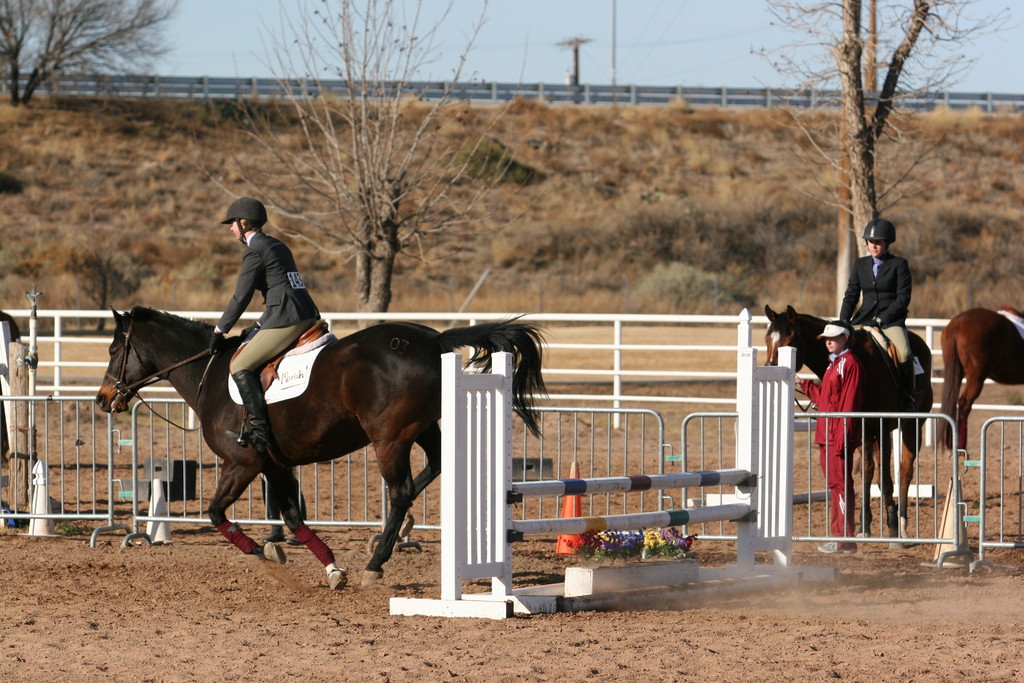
(572,506)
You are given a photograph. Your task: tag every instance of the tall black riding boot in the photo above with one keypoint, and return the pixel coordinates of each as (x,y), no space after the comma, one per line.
(251,391)
(909,382)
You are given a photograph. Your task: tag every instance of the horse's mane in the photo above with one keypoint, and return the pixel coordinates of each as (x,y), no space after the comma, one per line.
(145,315)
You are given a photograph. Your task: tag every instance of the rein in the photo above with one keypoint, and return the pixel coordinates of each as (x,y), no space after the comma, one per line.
(796,400)
(127,391)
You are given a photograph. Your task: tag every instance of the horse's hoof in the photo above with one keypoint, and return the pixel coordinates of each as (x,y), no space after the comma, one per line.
(337,579)
(273,553)
(370,578)
(407,526)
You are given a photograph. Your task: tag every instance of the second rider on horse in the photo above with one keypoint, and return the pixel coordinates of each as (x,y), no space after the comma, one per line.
(885,281)
(267,266)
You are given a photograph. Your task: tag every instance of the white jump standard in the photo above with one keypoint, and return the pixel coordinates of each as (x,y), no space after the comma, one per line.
(477,529)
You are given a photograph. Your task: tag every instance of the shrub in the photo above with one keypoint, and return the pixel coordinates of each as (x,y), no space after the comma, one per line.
(680,287)
(491,160)
(10,185)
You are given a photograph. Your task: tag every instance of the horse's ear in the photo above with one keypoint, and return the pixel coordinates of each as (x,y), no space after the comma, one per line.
(790,312)
(117,316)
(769,312)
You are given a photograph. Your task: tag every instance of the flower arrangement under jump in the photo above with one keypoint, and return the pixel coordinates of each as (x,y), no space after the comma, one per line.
(608,546)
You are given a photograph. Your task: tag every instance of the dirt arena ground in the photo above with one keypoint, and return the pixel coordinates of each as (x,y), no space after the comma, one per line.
(198,610)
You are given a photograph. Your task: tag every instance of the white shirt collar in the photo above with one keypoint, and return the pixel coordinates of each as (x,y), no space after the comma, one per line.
(833,356)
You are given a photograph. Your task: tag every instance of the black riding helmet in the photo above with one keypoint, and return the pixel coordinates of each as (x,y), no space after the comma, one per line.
(247,208)
(880,229)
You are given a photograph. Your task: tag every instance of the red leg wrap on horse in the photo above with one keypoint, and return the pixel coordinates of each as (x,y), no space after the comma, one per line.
(313,542)
(961,435)
(237,536)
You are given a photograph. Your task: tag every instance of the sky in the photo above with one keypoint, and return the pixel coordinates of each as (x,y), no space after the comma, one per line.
(656,42)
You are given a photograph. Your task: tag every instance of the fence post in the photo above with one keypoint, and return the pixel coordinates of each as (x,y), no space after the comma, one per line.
(18,424)
(743,330)
(746,432)
(6,408)
(58,334)
(476,474)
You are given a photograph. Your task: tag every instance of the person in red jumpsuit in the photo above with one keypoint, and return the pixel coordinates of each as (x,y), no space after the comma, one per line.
(840,391)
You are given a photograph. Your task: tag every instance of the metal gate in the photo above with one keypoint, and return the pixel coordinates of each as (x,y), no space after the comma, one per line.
(1000,468)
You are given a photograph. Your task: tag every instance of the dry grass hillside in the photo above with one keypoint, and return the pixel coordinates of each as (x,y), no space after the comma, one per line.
(637,209)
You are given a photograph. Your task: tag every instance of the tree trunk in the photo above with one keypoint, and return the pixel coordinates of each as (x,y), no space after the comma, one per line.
(15,77)
(375,264)
(858,136)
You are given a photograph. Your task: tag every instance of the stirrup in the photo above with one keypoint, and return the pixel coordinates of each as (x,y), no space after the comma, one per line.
(249,437)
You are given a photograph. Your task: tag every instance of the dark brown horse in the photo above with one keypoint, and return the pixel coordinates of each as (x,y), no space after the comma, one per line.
(381,385)
(976,345)
(881,394)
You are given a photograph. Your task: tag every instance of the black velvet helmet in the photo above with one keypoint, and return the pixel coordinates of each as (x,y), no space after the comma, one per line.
(247,208)
(880,229)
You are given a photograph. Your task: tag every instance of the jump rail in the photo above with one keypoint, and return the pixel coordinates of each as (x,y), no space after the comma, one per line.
(477,494)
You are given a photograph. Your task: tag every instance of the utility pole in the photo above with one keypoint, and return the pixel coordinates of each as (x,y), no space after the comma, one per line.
(871,59)
(574,45)
(613,44)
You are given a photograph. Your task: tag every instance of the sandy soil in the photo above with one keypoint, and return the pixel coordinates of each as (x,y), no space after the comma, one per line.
(197,609)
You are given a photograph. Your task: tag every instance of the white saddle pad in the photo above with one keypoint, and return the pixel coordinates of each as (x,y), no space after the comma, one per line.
(1017,321)
(292,374)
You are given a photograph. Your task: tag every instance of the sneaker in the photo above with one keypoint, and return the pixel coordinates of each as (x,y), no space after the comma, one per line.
(837,548)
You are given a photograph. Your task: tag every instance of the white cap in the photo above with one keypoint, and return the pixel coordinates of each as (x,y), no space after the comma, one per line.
(831,331)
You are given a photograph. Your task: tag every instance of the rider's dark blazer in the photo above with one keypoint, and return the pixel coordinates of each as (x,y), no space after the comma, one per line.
(269,267)
(886,297)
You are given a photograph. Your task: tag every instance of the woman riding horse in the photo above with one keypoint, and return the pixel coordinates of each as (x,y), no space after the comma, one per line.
(800,331)
(267,266)
(884,280)
(379,386)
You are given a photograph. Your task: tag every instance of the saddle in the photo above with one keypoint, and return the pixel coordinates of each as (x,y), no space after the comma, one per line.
(1014,316)
(318,332)
(1012,311)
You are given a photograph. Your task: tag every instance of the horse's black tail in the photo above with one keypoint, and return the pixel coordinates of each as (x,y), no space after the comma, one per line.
(524,341)
(952,377)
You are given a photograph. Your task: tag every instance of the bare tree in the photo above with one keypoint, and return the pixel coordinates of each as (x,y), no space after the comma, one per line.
(369,169)
(921,39)
(106,277)
(41,38)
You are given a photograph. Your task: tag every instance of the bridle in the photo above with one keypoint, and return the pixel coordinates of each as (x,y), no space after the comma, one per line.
(129,391)
(773,363)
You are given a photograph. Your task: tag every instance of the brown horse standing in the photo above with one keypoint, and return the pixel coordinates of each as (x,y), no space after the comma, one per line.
(976,344)
(381,385)
(881,394)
